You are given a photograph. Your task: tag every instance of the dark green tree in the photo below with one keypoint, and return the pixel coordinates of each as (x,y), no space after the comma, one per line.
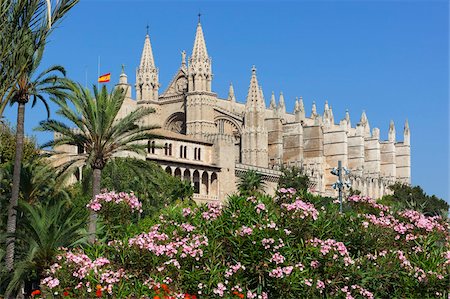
(251,183)
(293,177)
(413,197)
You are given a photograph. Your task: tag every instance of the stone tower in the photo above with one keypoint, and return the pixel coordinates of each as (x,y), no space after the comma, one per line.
(254,134)
(200,101)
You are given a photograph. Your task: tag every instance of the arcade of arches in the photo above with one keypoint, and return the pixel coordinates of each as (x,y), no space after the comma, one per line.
(205,182)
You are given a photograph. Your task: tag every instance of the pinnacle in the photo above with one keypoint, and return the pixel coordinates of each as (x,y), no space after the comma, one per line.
(273,103)
(231,96)
(147,61)
(199,50)
(254,92)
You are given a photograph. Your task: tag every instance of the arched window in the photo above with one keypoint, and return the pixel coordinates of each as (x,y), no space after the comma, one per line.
(185,152)
(181,151)
(170,149)
(199,155)
(166,149)
(195,153)
(149,147)
(153,147)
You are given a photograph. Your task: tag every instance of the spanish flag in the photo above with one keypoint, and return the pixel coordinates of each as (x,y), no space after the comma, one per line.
(104,78)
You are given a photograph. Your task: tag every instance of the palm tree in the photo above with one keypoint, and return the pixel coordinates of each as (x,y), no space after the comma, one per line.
(98,132)
(29,86)
(25,24)
(44,229)
(250,183)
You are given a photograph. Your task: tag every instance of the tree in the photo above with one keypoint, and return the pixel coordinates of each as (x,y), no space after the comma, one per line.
(293,177)
(24,36)
(98,132)
(25,25)
(408,197)
(250,183)
(34,87)
(45,228)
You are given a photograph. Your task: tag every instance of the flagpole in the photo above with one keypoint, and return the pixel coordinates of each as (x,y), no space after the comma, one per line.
(98,72)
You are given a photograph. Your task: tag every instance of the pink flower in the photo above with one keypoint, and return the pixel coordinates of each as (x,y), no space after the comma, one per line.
(260,207)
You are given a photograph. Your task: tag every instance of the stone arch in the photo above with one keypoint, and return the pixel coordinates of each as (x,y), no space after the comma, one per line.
(176,123)
(205,183)
(187,175)
(177,172)
(229,126)
(168,170)
(214,184)
(196,181)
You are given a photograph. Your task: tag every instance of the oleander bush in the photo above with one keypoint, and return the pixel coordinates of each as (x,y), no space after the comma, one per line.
(259,247)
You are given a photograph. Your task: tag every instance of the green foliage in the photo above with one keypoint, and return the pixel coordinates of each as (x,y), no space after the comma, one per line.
(24,31)
(407,197)
(43,229)
(8,146)
(151,184)
(293,177)
(251,183)
(245,236)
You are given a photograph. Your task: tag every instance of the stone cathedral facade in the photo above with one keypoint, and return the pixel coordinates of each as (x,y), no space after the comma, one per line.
(211,141)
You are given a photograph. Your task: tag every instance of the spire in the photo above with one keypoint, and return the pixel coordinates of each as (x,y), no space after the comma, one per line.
(331,115)
(391,134)
(363,119)
(296,105)
(123,79)
(199,70)
(273,103)
(326,108)
(263,100)
(183,58)
(406,134)
(301,106)
(347,116)
(231,96)
(254,93)
(281,104)
(147,82)
(199,50)
(314,110)
(147,61)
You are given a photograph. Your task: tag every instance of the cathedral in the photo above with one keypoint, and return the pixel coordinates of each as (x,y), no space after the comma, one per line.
(212,141)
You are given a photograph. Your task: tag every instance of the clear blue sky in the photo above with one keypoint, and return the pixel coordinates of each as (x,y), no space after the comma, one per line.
(387,57)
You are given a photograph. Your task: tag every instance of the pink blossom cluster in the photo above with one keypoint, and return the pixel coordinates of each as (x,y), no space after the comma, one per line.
(233,269)
(50,282)
(372,202)
(277,258)
(129,199)
(213,212)
(332,246)
(280,272)
(221,288)
(187,227)
(260,207)
(362,291)
(245,231)
(422,221)
(267,242)
(301,209)
(83,267)
(158,243)
(287,191)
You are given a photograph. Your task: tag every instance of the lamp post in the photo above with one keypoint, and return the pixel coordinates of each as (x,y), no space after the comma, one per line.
(339,183)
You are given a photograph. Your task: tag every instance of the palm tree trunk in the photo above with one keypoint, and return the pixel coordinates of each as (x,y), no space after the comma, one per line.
(12,212)
(96,180)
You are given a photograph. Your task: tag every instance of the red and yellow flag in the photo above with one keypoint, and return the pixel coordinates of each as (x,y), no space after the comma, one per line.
(104,78)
